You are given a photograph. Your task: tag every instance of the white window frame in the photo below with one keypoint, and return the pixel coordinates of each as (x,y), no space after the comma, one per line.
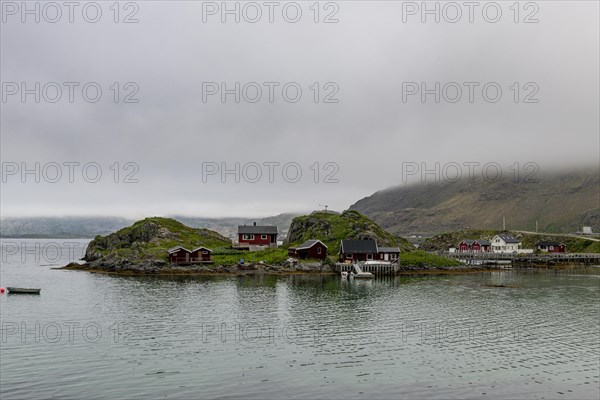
(248,236)
(263,237)
(370,256)
(318,250)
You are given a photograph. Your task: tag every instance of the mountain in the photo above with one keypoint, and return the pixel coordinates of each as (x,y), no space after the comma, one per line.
(560,202)
(60,227)
(331,228)
(89,227)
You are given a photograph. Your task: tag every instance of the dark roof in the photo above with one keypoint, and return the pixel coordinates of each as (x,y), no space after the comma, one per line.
(309,243)
(177,248)
(249,229)
(358,246)
(389,250)
(201,248)
(509,239)
(548,243)
(481,242)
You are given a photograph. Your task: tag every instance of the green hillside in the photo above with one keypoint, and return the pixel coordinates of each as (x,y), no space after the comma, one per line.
(331,228)
(149,239)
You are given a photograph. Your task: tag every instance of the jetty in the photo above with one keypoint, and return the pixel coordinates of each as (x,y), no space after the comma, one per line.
(524,258)
(374,267)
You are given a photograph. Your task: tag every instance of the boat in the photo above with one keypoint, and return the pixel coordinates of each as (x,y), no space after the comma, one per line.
(344,274)
(363,275)
(17,290)
(358,273)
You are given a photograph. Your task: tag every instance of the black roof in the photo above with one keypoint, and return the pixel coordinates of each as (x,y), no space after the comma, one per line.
(509,239)
(309,243)
(358,246)
(249,229)
(481,242)
(389,250)
(547,243)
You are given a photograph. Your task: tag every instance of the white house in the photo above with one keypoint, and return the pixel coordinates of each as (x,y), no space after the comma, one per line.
(505,244)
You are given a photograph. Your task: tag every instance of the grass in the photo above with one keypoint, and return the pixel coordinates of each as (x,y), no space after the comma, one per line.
(331,228)
(232,257)
(422,258)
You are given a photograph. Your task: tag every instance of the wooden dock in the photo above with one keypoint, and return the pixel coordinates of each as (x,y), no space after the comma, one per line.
(516,258)
(386,268)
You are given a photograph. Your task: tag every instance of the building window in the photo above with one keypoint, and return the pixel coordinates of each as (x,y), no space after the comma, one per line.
(205,252)
(318,250)
(348,255)
(369,256)
(248,237)
(263,236)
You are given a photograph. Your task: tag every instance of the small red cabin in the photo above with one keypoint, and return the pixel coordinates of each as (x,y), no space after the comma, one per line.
(179,255)
(254,235)
(551,247)
(474,246)
(200,255)
(314,249)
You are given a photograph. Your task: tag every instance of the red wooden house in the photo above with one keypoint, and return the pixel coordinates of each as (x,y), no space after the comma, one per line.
(358,250)
(253,235)
(314,249)
(474,246)
(179,255)
(551,247)
(201,255)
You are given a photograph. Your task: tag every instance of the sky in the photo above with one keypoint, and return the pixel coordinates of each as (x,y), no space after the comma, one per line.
(257,108)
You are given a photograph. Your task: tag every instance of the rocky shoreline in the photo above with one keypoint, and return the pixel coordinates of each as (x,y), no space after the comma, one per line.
(164,268)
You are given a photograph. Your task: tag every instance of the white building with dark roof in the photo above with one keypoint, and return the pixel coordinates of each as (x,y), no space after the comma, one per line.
(505,244)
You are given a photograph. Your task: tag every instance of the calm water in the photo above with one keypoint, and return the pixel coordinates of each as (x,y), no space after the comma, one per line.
(100,336)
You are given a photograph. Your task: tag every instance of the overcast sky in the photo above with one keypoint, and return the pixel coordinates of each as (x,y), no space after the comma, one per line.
(179,134)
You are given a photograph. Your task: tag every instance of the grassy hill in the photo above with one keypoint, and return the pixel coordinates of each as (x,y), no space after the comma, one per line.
(149,239)
(331,228)
(560,202)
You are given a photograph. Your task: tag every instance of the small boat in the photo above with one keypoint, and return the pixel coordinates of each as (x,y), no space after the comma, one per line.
(363,275)
(344,274)
(17,290)
(358,273)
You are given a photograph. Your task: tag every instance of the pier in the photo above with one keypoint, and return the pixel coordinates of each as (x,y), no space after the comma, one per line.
(383,268)
(516,258)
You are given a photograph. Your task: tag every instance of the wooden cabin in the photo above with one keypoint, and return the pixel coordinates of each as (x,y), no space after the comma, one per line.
(253,235)
(474,246)
(179,255)
(312,249)
(201,255)
(551,247)
(388,253)
(358,250)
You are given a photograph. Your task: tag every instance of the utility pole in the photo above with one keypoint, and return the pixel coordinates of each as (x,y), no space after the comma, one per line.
(503,223)
(536,226)
(323,205)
